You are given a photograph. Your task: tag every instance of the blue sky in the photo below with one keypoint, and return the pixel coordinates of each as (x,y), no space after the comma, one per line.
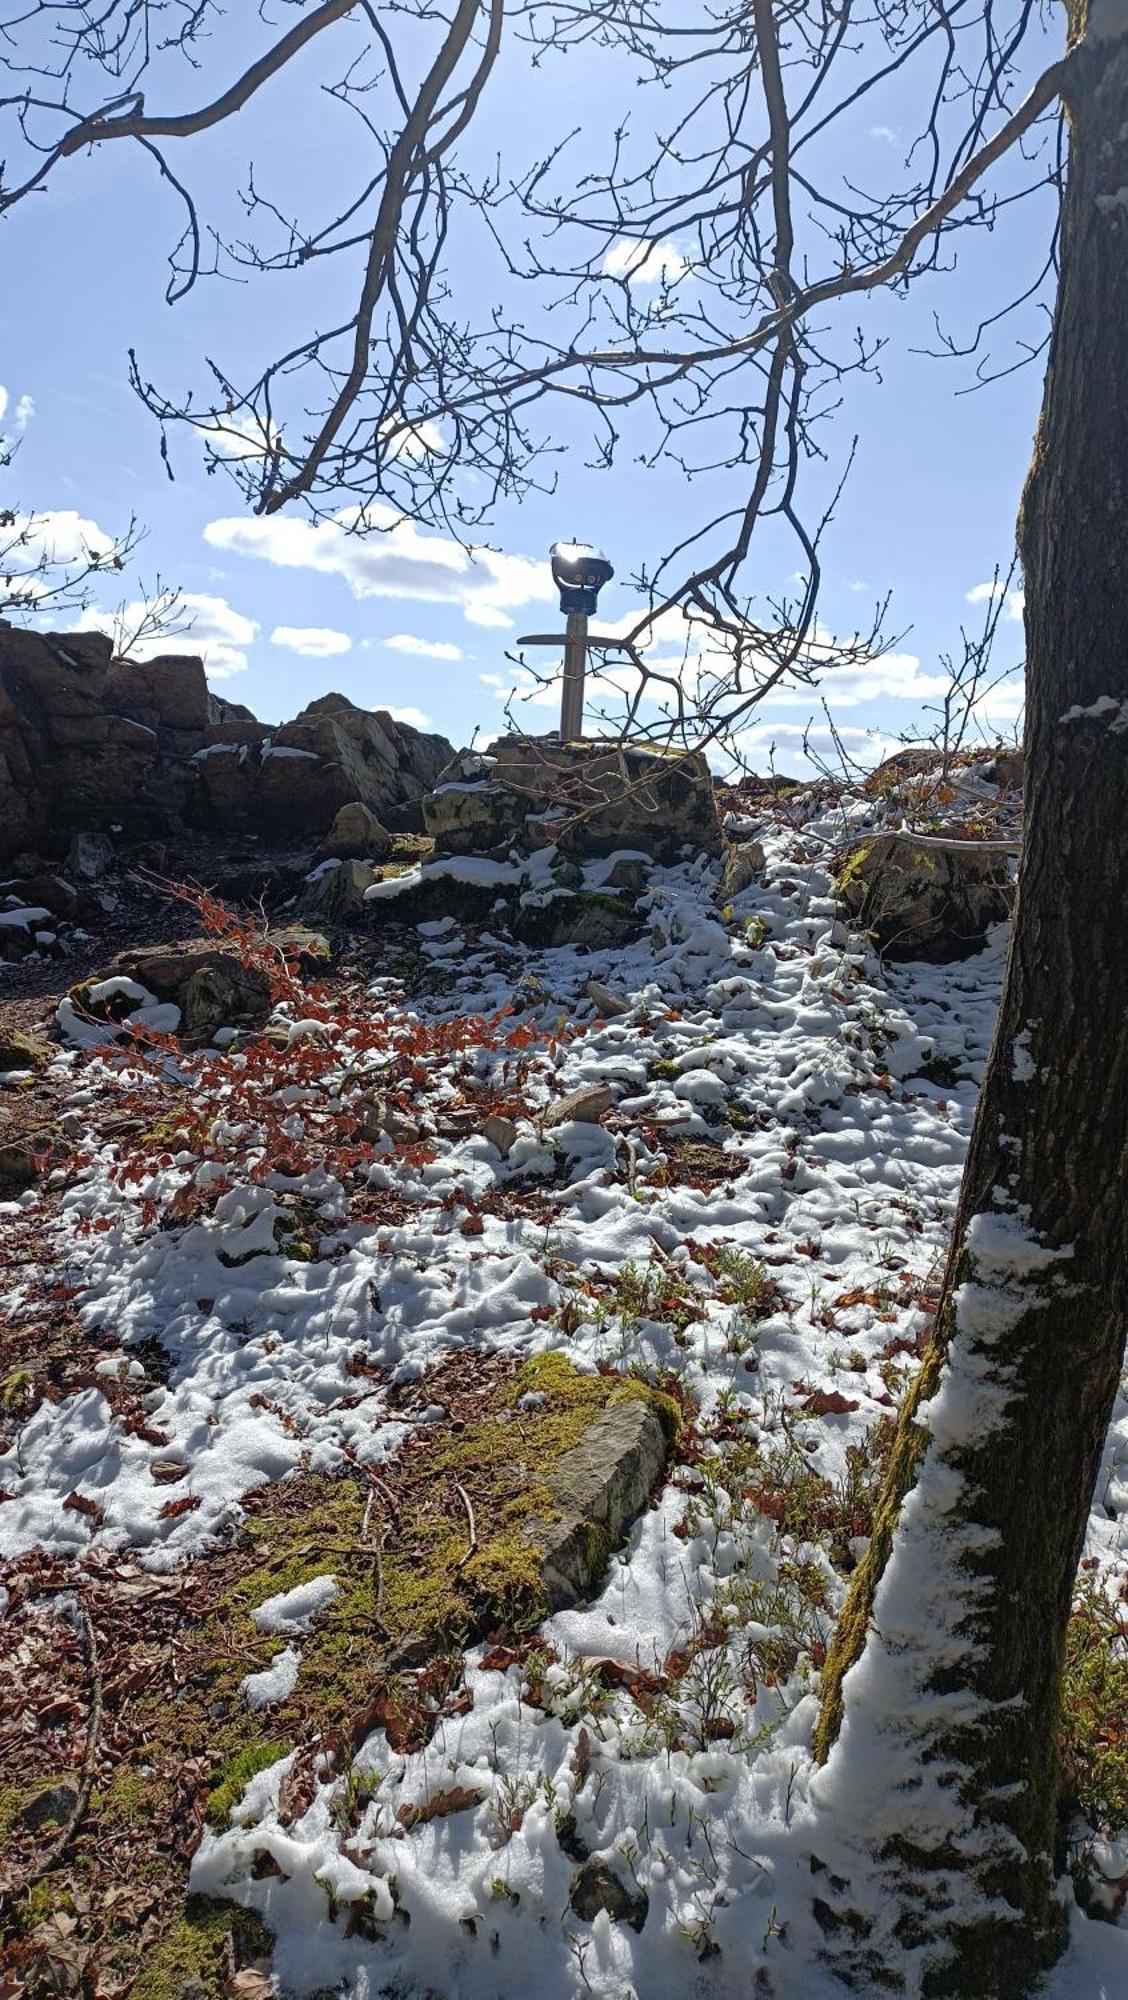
(286,609)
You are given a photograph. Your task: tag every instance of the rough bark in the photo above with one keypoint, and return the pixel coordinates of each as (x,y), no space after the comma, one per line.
(959,1611)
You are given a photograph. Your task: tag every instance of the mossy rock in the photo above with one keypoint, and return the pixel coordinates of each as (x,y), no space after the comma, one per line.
(917,901)
(20,1051)
(414,1587)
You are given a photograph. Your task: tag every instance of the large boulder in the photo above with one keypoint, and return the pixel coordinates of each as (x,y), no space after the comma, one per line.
(923,899)
(586,798)
(92,743)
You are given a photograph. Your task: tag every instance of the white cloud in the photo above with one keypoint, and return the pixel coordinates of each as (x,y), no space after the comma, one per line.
(423,649)
(416,442)
(206,625)
(984,593)
(315,642)
(241,437)
(57,537)
(643,262)
(25,410)
(487,614)
(415,716)
(886,132)
(782,743)
(3,399)
(391,558)
(1001,707)
(892,677)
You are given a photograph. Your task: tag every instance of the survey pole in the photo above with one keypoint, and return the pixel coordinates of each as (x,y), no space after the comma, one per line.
(575,668)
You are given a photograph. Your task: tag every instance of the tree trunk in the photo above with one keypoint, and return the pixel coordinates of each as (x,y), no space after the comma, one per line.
(935,1828)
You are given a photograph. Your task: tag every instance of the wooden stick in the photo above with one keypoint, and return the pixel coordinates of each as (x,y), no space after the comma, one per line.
(465,1499)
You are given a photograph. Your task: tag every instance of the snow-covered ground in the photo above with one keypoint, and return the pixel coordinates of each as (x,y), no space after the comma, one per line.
(842,1096)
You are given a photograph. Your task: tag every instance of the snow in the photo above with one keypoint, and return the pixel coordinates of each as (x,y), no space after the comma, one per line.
(1106,707)
(276,1681)
(808,1068)
(294,1610)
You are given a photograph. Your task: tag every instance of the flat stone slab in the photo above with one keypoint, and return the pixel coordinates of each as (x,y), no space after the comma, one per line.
(600,1487)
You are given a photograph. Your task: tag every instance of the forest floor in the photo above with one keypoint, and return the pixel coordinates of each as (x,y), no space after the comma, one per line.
(294,1330)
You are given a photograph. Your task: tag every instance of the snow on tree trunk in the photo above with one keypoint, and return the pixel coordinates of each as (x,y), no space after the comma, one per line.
(934,1844)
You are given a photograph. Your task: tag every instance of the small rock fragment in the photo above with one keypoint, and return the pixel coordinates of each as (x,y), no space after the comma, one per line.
(89,856)
(742,864)
(166,1471)
(501,1132)
(596,1887)
(355,835)
(607,1000)
(586,1106)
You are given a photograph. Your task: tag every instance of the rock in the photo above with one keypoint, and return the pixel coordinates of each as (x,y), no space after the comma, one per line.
(501,1132)
(918,901)
(610,1003)
(372,1120)
(743,862)
(212,987)
(49,892)
(604,1482)
(20,1051)
(629,873)
(32,1154)
(599,921)
(52,1807)
(336,892)
(586,1106)
(167,1471)
(472,818)
(588,798)
(1008,770)
(596,1887)
(170,692)
(88,742)
(89,856)
(309,950)
(355,835)
(20,929)
(601,797)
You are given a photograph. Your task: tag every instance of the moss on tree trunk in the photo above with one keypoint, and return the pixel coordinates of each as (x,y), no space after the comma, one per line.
(971,1882)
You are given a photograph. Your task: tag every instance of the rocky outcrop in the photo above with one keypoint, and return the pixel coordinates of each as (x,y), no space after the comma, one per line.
(931,899)
(90,743)
(586,798)
(297,778)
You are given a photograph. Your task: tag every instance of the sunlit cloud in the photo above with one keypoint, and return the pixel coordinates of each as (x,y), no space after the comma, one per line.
(423,649)
(643,262)
(390,558)
(314,642)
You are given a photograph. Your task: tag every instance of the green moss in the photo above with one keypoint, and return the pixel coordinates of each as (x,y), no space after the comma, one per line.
(16,1389)
(408,1580)
(852,871)
(1094,1707)
(197,1948)
(234,1777)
